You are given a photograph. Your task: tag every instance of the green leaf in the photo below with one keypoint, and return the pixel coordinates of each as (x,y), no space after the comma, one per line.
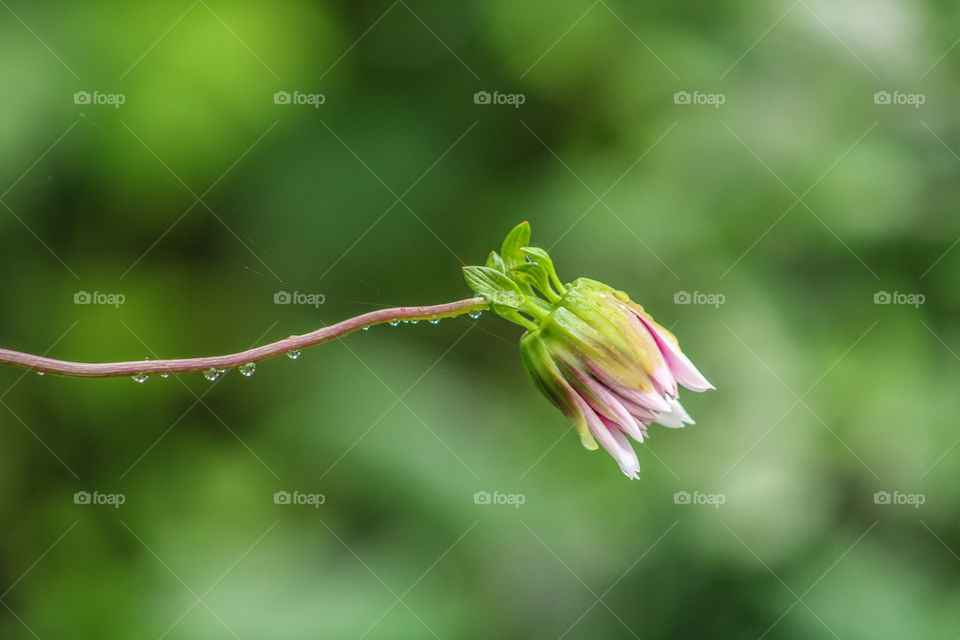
(494,261)
(494,287)
(538,255)
(543,259)
(518,238)
(534,275)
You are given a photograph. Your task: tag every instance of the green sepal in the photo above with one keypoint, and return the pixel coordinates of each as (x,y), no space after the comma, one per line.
(543,369)
(544,373)
(585,319)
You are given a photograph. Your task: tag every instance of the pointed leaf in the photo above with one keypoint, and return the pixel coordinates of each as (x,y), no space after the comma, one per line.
(533,275)
(494,261)
(518,238)
(543,259)
(494,286)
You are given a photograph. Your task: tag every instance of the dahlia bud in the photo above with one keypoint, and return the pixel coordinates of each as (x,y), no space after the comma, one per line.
(598,356)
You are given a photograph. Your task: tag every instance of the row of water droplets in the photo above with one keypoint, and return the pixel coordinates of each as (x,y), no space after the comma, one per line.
(213,374)
(475,314)
(247,370)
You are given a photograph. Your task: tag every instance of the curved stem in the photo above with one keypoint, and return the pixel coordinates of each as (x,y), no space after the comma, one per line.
(43,364)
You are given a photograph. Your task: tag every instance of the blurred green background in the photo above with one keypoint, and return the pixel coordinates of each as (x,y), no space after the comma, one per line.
(781,183)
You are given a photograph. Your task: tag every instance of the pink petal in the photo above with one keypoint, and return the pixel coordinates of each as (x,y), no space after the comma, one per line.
(633,471)
(683,370)
(675,417)
(669,420)
(608,405)
(651,400)
(681,412)
(663,374)
(612,440)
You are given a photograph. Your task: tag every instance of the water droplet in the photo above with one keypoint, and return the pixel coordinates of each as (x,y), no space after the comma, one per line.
(414,321)
(394,323)
(366,328)
(212,374)
(248,369)
(293,354)
(475,314)
(41,373)
(164,375)
(434,320)
(141,378)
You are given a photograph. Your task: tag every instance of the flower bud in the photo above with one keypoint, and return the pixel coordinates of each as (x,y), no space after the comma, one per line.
(598,356)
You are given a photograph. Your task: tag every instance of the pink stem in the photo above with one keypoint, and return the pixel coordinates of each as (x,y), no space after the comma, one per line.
(43,364)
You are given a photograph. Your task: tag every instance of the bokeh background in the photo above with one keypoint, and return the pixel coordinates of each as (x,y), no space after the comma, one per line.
(782,198)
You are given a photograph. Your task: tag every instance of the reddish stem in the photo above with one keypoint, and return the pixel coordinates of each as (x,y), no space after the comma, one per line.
(43,364)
